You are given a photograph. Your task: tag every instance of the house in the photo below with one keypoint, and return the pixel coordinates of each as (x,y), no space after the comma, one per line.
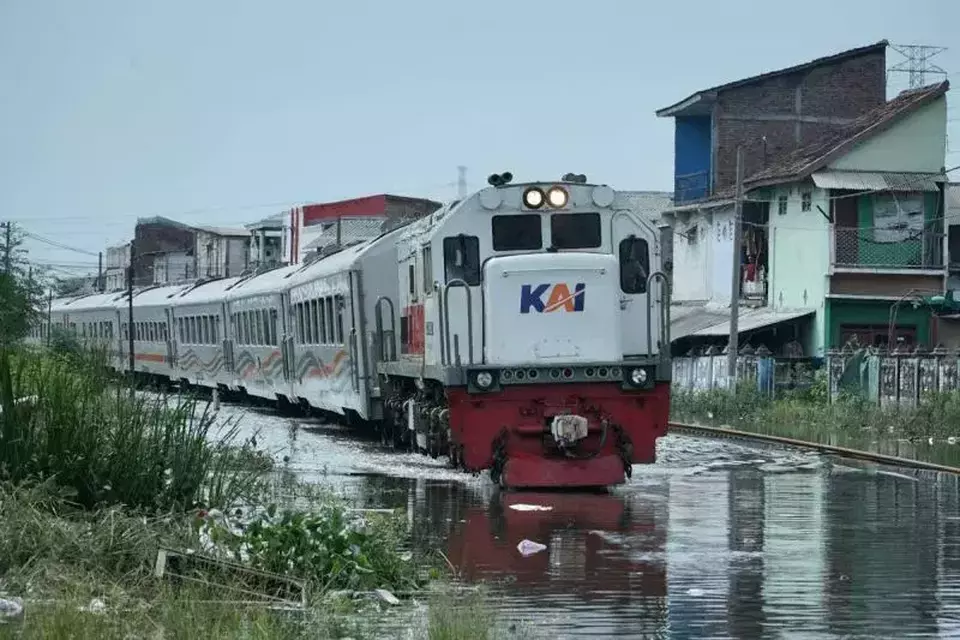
(266,242)
(163,251)
(855,225)
(116,261)
(221,252)
(768,118)
(313,226)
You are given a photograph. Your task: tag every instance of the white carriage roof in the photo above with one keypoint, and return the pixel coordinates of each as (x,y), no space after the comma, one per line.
(336,263)
(269,282)
(157,296)
(206,292)
(86,303)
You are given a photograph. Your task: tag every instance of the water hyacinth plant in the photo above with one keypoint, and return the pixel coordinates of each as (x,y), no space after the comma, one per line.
(329,547)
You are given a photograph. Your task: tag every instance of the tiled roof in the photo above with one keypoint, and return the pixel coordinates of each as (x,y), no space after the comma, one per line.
(704,93)
(810,158)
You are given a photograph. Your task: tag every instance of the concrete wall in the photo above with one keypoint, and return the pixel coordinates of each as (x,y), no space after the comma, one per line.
(918,143)
(799,245)
(702,267)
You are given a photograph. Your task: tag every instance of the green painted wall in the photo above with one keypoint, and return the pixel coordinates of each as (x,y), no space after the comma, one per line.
(841,312)
(893,254)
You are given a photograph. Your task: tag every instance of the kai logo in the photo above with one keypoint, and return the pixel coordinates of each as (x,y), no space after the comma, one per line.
(559,297)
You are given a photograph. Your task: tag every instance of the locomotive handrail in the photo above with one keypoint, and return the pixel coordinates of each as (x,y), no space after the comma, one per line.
(664,313)
(457,282)
(378,319)
(440,308)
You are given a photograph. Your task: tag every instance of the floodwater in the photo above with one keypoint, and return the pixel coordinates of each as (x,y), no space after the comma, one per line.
(716,540)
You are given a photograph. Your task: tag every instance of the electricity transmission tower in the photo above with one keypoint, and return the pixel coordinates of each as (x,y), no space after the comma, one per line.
(917,63)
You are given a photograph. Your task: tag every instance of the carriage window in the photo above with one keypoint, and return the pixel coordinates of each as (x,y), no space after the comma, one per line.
(330,321)
(339,304)
(517,233)
(461,259)
(273,326)
(575,230)
(634,265)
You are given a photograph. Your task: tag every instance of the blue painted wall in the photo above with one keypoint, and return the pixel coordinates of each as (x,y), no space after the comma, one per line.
(691,156)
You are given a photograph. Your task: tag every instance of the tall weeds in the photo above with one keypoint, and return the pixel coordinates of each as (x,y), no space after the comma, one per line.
(63,418)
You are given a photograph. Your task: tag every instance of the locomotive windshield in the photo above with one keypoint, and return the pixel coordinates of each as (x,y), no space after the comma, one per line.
(517,233)
(575,230)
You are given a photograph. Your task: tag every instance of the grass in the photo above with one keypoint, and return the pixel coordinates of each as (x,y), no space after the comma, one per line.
(94,479)
(848,421)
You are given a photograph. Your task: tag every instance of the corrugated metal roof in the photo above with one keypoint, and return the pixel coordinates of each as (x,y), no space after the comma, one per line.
(650,204)
(877,181)
(351,230)
(225,231)
(750,319)
(714,320)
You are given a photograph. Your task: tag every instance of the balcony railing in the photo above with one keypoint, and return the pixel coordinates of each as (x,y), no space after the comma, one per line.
(692,186)
(876,248)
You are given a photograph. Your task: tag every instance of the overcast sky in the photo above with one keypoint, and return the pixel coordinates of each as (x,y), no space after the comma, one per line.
(220,112)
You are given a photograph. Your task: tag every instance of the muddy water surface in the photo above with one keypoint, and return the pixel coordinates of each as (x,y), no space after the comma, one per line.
(716,540)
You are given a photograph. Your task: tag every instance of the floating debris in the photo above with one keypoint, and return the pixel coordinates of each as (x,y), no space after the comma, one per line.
(529,547)
(530,507)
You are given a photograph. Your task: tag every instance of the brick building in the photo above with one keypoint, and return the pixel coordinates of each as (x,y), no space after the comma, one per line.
(769,116)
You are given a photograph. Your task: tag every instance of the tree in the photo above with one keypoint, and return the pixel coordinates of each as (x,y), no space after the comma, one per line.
(21,294)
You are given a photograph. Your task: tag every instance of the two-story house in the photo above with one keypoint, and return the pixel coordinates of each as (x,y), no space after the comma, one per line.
(767,118)
(221,252)
(856,225)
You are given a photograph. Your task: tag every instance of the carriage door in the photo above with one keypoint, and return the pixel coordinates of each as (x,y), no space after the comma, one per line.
(227,343)
(636,249)
(171,339)
(286,336)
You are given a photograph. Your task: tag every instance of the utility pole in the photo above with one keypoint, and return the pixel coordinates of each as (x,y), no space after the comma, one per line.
(733,345)
(100,286)
(461,182)
(130,314)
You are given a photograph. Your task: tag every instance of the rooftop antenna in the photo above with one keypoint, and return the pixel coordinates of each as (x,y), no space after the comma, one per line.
(917,62)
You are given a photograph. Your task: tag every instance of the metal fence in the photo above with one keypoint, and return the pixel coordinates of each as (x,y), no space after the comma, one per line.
(897,378)
(758,369)
(888,248)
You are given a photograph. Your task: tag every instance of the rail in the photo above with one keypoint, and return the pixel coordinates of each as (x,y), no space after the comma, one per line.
(378,320)
(843,452)
(445,322)
(664,347)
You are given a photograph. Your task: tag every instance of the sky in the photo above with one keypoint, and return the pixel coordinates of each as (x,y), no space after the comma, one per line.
(222,113)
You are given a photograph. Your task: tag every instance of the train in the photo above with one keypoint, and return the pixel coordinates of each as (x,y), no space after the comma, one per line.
(522,329)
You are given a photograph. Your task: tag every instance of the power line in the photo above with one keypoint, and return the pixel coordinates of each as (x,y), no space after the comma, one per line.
(59,245)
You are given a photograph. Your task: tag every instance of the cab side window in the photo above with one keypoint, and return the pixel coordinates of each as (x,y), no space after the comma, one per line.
(634,265)
(461,259)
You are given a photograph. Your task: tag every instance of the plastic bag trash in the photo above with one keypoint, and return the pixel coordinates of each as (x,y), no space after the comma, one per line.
(530,507)
(529,547)
(386,596)
(695,592)
(10,608)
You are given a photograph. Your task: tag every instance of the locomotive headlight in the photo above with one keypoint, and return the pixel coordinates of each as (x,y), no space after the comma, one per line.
(533,198)
(638,376)
(557,197)
(484,379)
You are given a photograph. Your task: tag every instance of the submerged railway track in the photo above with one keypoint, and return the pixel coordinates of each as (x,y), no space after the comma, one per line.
(748,437)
